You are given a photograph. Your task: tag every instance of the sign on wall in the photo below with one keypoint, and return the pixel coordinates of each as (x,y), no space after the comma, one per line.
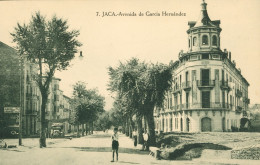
(11,109)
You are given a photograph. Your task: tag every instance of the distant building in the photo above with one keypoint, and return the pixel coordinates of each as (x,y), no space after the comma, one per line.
(209,93)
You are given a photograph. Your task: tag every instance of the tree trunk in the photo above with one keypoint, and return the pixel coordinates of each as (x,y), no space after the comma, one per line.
(83,130)
(123,128)
(139,130)
(78,135)
(130,128)
(42,118)
(150,125)
(89,128)
(92,127)
(86,129)
(127,128)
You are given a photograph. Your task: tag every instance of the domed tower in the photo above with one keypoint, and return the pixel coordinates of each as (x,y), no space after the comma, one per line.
(204,35)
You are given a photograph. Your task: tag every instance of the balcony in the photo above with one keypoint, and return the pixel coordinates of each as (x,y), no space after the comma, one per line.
(205,84)
(176,88)
(211,105)
(56,98)
(239,93)
(224,85)
(186,86)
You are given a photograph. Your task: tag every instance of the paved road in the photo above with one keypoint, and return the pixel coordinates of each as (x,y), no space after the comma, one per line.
(88,150)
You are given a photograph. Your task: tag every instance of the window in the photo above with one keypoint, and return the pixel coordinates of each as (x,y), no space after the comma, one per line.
(194,57)
(205,56)
(205,40)
(214,40)
(170,100)
(215,57)
(194,41)
(205,99)
(189,43)
(216,74)
(193,75)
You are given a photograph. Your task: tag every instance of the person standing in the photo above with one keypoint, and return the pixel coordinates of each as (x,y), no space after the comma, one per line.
(145,144)
(115,144)
(135,137)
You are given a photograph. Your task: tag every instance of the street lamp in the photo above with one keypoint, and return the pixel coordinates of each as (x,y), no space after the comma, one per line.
(80,55)
(21,105)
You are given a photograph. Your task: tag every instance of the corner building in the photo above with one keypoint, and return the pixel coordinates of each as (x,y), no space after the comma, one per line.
(209,93)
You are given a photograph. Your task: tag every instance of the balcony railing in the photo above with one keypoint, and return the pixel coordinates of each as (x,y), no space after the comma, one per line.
(224,85)
(205,83)
(238,93)
(212,105)
(186,85)
(176,88)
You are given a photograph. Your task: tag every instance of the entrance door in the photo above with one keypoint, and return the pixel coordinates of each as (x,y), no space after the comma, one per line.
(223,124)
(181,125)
(205,77)
(188,124)
(205,99)
(205,124)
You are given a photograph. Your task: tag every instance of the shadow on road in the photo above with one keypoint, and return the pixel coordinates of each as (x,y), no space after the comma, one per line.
(127,162)
(108,149)
(99,136)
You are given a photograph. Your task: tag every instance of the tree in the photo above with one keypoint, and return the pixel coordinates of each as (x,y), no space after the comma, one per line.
(51,46)
(144,86)
(103,122)
(89,104)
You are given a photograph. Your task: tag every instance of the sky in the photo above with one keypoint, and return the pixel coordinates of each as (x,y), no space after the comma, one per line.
(110,39)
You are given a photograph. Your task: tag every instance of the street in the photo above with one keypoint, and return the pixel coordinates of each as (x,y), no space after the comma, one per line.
(88,150)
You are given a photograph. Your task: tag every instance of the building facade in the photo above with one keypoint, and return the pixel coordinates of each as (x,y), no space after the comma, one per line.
(10,98)
(209,92)
(18,90)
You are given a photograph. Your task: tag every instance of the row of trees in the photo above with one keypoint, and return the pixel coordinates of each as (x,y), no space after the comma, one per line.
(140,88)
(88,106)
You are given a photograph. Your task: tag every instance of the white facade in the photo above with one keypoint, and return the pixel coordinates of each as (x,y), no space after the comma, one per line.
(208,93)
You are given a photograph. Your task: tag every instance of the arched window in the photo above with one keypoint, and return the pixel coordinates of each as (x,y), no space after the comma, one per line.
(214,40)
(194,41)
(205,40)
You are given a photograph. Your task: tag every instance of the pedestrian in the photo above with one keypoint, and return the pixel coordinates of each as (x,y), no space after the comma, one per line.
(135,137)
(115,144)
(145,143)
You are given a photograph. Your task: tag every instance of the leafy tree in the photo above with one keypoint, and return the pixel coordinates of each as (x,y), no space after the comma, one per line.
(51,46)
(103,122)
(144,86)
(89,104)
